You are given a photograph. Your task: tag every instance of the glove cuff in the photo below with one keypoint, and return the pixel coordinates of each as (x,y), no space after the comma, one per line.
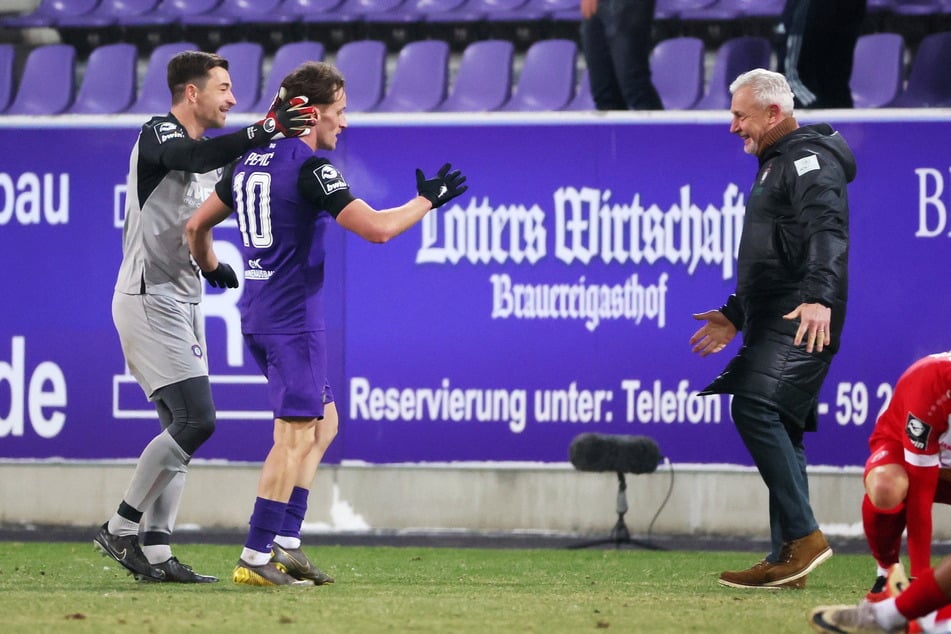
(261,132)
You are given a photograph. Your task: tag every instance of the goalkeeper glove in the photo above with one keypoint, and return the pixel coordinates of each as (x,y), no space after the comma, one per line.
(221,277)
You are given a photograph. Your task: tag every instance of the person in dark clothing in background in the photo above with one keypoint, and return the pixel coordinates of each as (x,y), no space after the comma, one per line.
(791,291)
(616,40)
(817,51)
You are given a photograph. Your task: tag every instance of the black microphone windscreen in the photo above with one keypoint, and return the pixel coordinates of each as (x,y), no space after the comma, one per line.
(611,452)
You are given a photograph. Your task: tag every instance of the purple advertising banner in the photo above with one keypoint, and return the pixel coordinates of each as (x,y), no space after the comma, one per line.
(555,297)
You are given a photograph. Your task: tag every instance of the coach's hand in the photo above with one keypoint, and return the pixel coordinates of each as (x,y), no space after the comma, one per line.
(221,277)
(443,187)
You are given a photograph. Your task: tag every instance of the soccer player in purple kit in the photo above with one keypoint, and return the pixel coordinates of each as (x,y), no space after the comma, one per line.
(285,197)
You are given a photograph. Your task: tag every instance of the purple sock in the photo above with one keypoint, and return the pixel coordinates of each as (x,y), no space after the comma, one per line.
(294,515)
(265,522)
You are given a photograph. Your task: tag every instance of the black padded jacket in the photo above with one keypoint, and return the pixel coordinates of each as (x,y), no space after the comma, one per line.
(794,250)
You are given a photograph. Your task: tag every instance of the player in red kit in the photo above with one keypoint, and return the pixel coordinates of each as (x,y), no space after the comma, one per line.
(907,470)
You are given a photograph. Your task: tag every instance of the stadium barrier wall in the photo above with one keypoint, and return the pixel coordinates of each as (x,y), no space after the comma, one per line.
(553,298)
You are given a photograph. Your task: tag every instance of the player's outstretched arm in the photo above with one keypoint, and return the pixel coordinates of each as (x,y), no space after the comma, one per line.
(382,225)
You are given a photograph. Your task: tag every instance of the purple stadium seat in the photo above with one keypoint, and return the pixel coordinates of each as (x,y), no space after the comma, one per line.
(231,12)
(109,83)
(46,84)
(928,82)
(533,10)
(484,79)
(734,10)
(877,69)
(108,12)
(416,11)
(169,12)
(670,9)
(154,96)
(420,78)
(244,66)
(48,13)
(476,10)
(547,81)
(677,71)
(583,99)
(917,7)
(355,10)
(286,59)
(7,59)
(363,64)
(733,57)
(303,9)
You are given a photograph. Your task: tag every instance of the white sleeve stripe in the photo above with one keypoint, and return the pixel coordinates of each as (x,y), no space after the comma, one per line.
(922,460)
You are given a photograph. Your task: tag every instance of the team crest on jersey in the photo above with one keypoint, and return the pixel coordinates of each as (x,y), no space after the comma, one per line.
(168,130)
(196,350)
(330,179)
(918,432)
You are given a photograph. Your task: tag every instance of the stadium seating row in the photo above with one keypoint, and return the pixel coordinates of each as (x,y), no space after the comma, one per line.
(484,81)
(223,13)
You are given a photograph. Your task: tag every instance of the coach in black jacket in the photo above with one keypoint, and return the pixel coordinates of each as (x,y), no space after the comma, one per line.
(792,285)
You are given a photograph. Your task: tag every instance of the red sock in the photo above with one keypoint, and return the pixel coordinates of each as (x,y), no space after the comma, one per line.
(922,597)
(883,531)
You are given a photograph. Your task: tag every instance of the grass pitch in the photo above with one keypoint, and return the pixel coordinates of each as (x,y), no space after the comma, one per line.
(70,588)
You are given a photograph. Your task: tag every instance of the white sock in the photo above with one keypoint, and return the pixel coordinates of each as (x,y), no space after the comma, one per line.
(287,543)
(254,557)
(887,615)
(121,527)
(157,554)
(881,572)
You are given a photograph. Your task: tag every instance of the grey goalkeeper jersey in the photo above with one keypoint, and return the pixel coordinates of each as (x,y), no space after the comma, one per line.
(170,175)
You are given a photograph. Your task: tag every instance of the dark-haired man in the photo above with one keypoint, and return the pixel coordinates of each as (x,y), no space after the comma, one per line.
(155,307)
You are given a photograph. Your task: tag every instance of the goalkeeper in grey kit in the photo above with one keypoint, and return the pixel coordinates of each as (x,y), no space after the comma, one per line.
(286,198)
(172,169)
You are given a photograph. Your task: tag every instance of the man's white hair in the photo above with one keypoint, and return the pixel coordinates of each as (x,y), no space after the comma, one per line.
(768,88)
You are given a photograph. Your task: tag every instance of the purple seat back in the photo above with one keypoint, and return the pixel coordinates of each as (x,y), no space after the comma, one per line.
(46,84)
(671,9)
(230,12)
(928,82)
(110,12)
(48,13)
(170,12)
(109,83)
(677,71)
(734,57)
(420,78)
(877,69)
(484,79)
(7,60)
(363,64)
(286,59)
(154,96)
(547,81)
(583,99)
(244,66)
(303,8)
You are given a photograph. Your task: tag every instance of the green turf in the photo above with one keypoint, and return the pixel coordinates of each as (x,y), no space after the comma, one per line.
(57,587)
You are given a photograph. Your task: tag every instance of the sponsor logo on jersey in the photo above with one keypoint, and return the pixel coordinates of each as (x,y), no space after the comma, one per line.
(196,350)
(168,130)
(256,272)
(918,432)
(878,456)
(330,179)
(807,164)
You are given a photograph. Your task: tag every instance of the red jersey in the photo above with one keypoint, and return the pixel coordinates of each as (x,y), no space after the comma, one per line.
(918,418)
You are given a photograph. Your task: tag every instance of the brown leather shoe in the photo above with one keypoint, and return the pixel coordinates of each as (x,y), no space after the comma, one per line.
(796,584)
(798,558)
(753,578)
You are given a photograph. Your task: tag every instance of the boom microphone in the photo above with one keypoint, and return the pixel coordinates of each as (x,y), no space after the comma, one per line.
(610,452)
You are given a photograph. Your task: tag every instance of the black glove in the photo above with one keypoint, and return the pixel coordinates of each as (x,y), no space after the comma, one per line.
(443,187)
(221,277)
(290,118)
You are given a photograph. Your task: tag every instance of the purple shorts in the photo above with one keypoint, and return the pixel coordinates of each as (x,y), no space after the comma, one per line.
(296,370)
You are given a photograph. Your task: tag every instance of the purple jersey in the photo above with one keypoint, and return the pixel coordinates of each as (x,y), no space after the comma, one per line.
(285,197)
